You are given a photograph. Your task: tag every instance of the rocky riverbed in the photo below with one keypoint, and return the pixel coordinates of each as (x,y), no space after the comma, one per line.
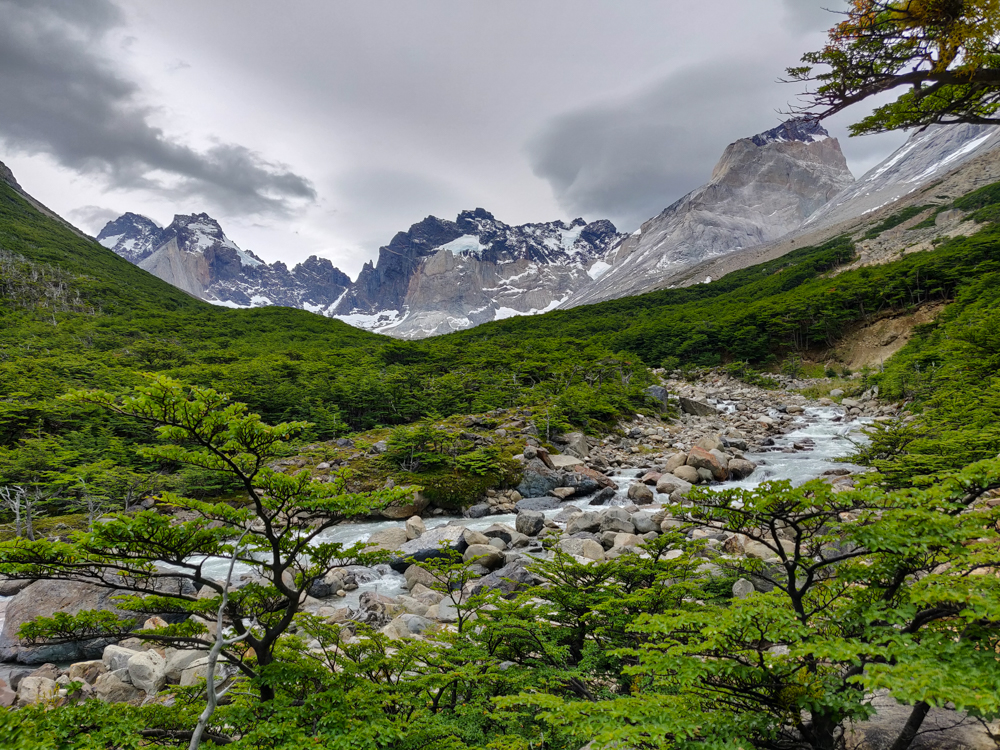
(596,499)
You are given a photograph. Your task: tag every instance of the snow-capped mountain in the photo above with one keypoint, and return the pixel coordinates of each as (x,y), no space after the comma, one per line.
(762,188)
(194,254)
(925,157)
(442,276)
(436,277)
(132,236)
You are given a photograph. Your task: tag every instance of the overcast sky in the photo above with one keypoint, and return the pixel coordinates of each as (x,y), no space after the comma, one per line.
(326,126)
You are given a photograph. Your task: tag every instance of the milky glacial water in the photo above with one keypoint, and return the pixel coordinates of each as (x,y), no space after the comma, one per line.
(830,439)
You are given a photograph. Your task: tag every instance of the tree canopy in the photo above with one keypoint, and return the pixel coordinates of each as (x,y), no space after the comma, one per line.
(946,53)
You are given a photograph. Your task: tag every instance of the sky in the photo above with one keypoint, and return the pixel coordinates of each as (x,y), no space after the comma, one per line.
(325,127)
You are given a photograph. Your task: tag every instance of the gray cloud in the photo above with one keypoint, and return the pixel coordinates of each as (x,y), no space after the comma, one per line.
(92,218)
(61,98)
(813,15)
(629,159)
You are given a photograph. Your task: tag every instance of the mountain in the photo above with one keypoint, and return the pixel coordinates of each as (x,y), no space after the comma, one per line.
(441,276)
(762,188)
(194,254)
(926,156)
(437,276)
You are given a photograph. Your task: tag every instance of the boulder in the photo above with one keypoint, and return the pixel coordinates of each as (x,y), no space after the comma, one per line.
(411,626)
(7,696)
(576,445)
(45,598)
(616,520)
(697,408)
(640,494)
(148,671)
(740,468)
(374,610)
(564,461)
(668,484)
(483,554)
(414,527)
(687,473)
(198,672)
(644,523)
(587,521)
(676,460)
(580,475)
(389,539)
(34,689)
(658,393)
(402,509)
(178,660)
(479,510)
(538,479)
(743,588)
(475,537)
(563,492)
(428,545)
(510,579)
(585,548)
(537,503)
(116,657)
(86,671)
(529,522)
(699,458)
(711,443)
(626,540)
(111,688)
(503,532)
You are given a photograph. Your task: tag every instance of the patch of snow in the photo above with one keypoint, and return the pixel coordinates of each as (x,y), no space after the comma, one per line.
(957,154)
(333,305)
(110,242)
(258,300)
(598,270)
(467,243)
(312,308)
(246,259)
(370,321)
(226,303)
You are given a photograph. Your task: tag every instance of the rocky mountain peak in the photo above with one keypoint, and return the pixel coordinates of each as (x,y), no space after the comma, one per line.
(805,131)
(132,236)
(762,188)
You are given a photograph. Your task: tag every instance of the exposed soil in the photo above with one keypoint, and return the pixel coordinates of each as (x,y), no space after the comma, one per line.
(873,343)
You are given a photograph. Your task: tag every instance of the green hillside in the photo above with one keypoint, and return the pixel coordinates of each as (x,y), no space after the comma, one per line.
(73,314)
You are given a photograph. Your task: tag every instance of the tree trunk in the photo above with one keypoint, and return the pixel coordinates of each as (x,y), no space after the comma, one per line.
(912,726)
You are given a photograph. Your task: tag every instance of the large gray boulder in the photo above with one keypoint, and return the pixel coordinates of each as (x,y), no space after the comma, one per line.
(530,522)
(36,690)
(148,671)
(576,444)
(510,579)
(44,599)
(429,545)
(537,504)
(697,408)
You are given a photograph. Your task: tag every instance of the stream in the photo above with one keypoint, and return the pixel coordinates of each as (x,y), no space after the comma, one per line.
(818,429)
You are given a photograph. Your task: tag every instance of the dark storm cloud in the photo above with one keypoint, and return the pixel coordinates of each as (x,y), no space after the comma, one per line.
(57,96)
(628,160)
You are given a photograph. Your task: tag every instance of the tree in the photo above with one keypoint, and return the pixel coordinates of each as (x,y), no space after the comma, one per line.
(159,562)
(866,590)
(946,52)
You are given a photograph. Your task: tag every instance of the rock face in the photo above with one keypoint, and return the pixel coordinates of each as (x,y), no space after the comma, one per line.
(194,254)
(436,277)
(441,276)
(926,156)
(762,188)
(46,598)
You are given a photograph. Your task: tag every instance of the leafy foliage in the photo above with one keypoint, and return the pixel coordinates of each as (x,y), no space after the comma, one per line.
(945,52)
